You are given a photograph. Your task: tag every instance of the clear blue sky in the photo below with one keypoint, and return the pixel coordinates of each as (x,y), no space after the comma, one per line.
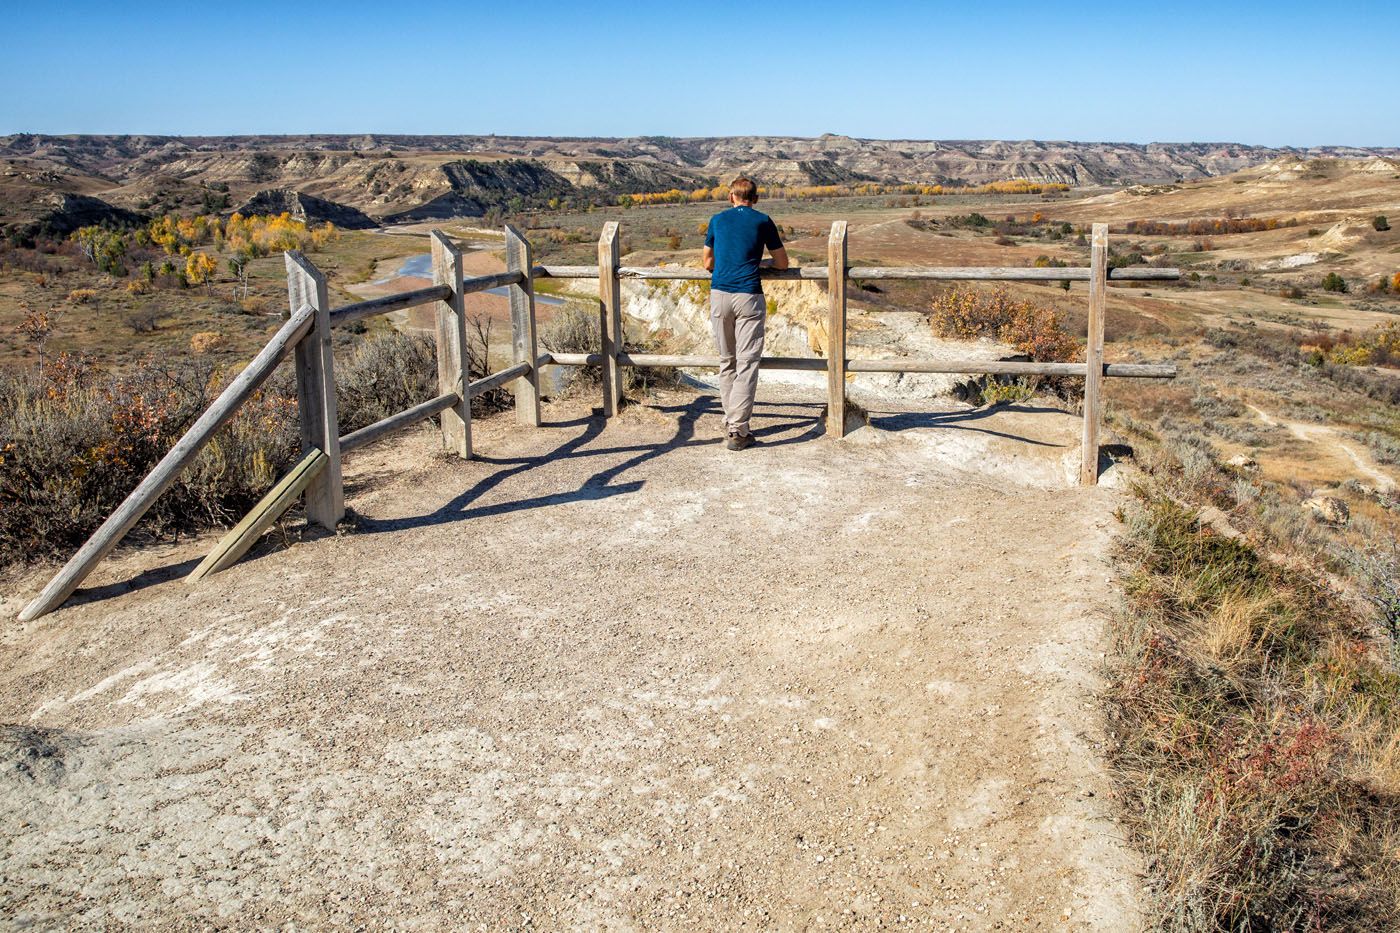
(1283,73)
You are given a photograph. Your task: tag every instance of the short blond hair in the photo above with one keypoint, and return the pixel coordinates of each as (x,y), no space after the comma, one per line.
(744,189)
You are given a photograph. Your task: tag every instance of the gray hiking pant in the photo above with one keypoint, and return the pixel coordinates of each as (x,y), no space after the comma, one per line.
(737,321)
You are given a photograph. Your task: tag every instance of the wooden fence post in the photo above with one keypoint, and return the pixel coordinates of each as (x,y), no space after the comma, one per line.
(164,473)
(836,331)
(610,315)
(453,355)
(241,538)
(315,366)
(1093,356)
(522,328)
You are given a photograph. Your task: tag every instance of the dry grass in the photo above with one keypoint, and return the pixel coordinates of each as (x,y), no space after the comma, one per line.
(75,441)
(1255,718)
(1036,330)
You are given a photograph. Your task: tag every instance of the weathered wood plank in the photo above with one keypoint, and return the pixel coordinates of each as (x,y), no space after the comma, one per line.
(245,534)
(610,315)
(1009,368)
(836,331)
(974,367)
(1093,356)
(1010,273)
(565,272)
(452,351)
(420,412)
(164,474)
(480,283)
(496,380)
(360,310)
(524,342)
(820,273)
(316,403)
(576,359)
(695,361)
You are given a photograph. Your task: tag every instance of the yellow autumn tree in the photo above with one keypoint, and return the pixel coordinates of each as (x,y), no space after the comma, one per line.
(199,267)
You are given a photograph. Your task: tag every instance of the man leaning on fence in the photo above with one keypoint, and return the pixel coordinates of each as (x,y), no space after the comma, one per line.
(734,245)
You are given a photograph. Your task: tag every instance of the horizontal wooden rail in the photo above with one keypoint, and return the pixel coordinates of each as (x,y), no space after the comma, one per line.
(360,310)
(988,367)
(496,380)
(813,364)
(943,273)
(164,474)
(1013,273)
(1012,368)
(576,359)
(420,412)
(481,283)
(433,406)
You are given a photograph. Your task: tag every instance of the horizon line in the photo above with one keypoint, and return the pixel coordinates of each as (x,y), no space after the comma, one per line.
(665,136)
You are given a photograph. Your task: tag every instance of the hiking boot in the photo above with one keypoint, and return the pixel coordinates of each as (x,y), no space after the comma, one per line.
(739,441)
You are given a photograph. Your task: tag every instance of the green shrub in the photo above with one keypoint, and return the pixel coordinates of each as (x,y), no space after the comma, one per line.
(1332,282)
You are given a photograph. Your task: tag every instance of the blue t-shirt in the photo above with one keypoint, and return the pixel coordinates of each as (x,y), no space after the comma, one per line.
(738,236)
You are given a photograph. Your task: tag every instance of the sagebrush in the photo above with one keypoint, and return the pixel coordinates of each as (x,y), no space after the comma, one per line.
(573,329)
(74,441)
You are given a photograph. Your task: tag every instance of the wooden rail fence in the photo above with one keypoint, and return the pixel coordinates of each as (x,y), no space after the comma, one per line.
(306,336)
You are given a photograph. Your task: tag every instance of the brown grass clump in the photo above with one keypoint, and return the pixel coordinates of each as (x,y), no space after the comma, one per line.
(574,330)
(1035,330)
(208,341)
(77,441)
(74,441)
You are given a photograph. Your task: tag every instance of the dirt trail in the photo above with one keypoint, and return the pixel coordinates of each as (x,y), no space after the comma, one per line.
(614,678)
(1323,434)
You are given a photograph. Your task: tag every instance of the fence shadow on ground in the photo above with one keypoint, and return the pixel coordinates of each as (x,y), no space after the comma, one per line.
(960,421)
(778,424)
(147,578)
(797,428)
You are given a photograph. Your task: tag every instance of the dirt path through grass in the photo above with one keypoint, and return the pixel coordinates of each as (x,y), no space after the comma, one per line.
(613,678)
(1327,436)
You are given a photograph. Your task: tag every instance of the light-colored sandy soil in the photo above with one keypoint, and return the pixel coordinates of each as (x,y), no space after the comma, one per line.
(617,679)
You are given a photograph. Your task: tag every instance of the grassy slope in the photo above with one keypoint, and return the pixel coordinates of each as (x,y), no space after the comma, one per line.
(1255,712)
